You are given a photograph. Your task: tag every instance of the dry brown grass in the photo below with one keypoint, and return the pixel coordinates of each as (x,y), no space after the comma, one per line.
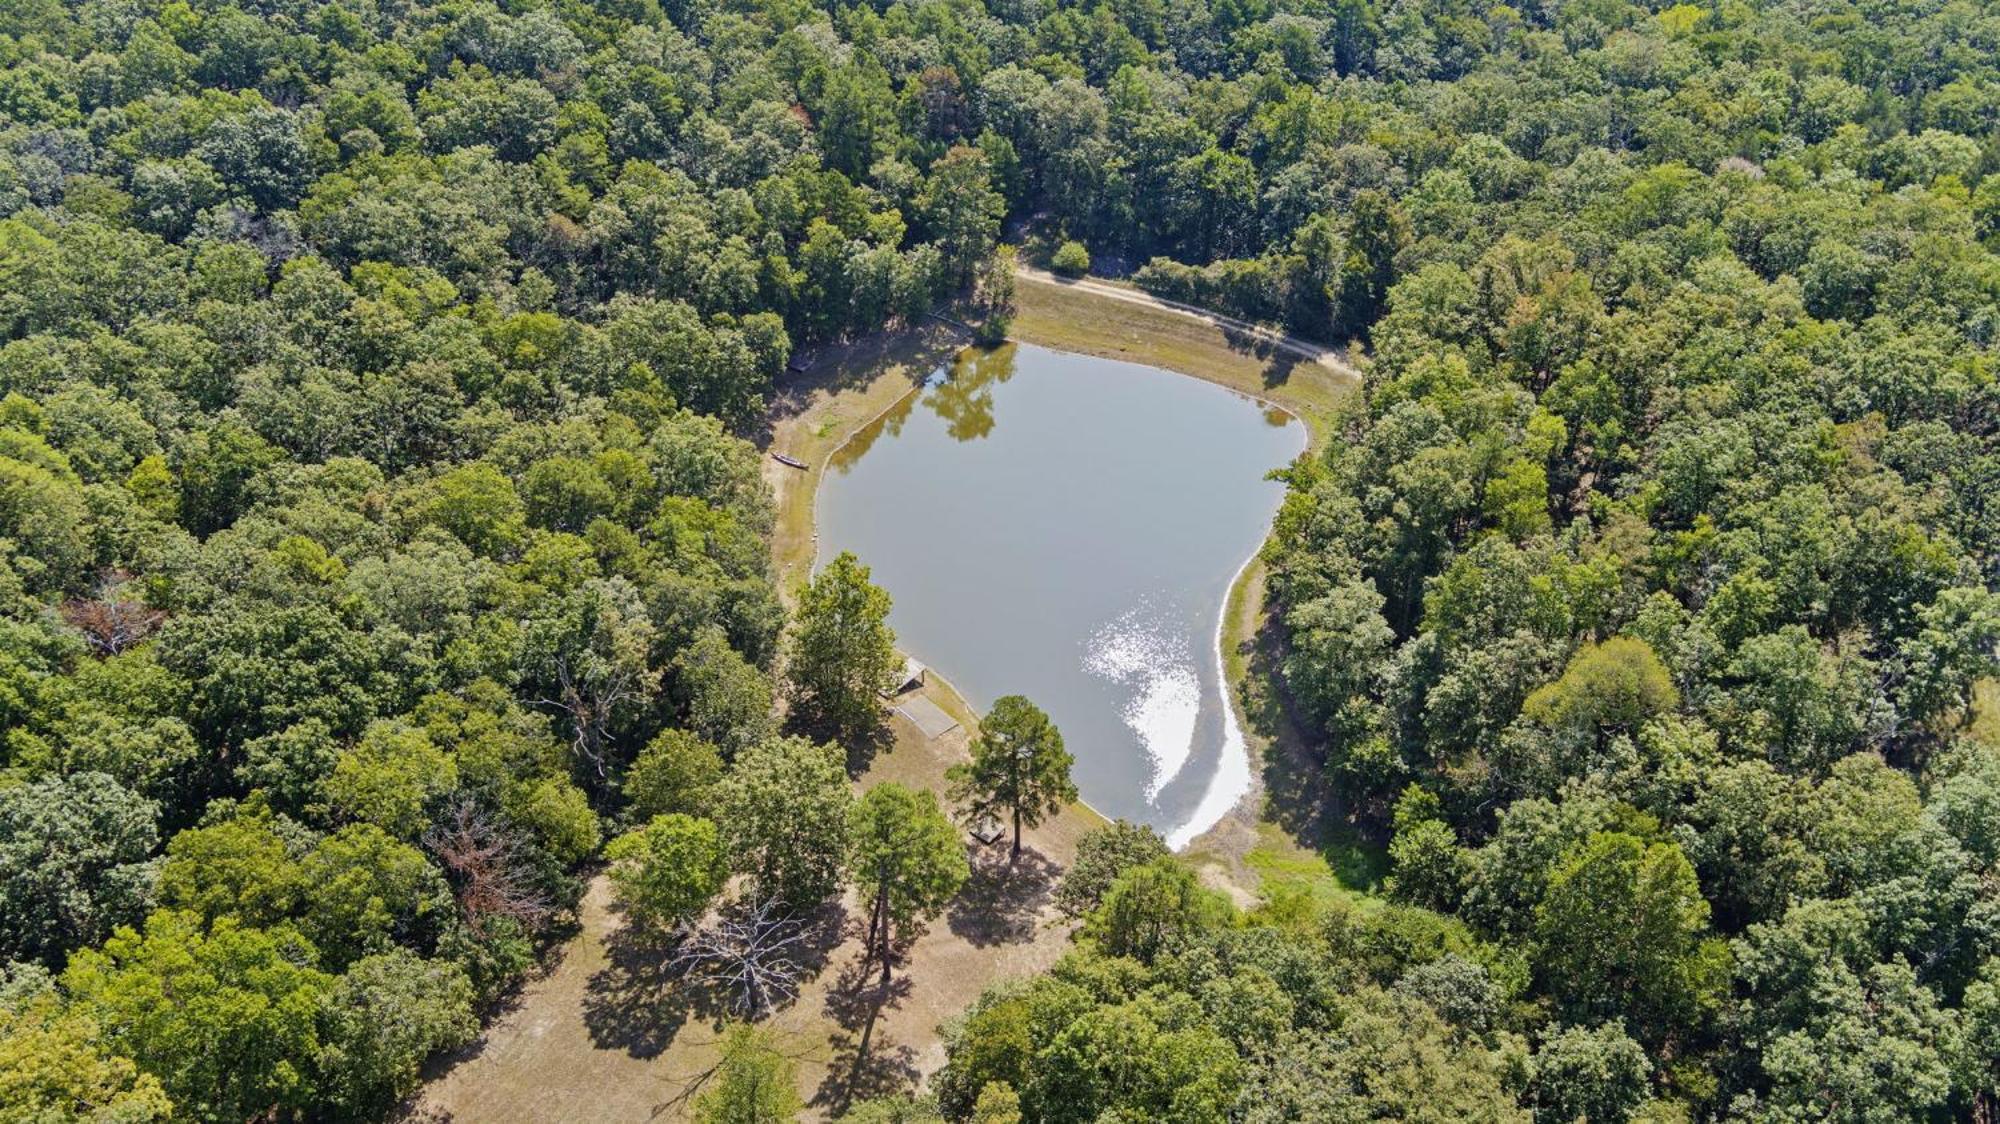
(607,1033)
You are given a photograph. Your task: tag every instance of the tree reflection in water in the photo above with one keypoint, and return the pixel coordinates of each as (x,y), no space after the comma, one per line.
(965,400)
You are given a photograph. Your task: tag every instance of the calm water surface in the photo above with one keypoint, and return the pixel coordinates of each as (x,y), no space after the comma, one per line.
(1067,528)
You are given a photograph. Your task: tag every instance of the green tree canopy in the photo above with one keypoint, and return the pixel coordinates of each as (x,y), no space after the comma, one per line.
(54,1066)
(1154,909)
(784,814)
(752,1084)
(227,1019)
(842,651)
(73,863)
(676,772)
(905,857)
(1018,766)
(1620,932)
(384,1016)
(667,872)
(1102,855)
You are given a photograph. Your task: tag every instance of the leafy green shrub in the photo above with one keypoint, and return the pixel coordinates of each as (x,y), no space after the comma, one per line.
(1071,259)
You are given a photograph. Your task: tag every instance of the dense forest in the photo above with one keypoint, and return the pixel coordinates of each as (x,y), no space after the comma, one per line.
(377,533)
(384,544)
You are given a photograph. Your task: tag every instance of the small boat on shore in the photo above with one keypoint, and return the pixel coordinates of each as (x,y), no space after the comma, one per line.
(793,462)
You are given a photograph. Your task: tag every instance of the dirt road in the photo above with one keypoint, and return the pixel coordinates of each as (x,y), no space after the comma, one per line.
(1329,357)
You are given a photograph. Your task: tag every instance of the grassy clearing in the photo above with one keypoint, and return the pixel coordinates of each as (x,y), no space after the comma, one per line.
(1073,319)
(1294,880)
(1286,869)
(1985,721)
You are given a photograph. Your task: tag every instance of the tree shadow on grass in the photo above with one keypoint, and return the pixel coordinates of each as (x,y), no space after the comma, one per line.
(860,1069)
(862,746)
(857,994)
(1278,367)
(1279,361)
(1000,902)
(826,928)
(920,349)
(639,1001)
(864,1063)
(859,744)
(1298,795)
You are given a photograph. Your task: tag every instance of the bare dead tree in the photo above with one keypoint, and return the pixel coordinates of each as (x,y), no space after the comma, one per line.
(111,623)
(591,701)
(753,955)
(597,653)
(485,869)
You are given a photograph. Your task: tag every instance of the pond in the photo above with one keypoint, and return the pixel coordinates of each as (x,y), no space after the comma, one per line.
(1068,528)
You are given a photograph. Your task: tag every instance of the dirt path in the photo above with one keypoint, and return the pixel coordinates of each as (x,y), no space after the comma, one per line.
(1332,358)
(1307,380)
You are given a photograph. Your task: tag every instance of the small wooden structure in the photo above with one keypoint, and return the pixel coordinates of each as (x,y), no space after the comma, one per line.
(910,679)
